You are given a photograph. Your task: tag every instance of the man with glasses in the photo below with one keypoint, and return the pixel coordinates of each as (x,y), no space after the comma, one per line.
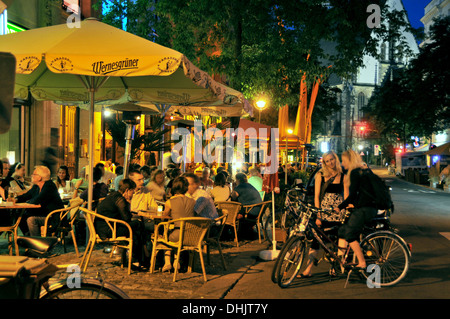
(117,205)
(142,198)
(45,193)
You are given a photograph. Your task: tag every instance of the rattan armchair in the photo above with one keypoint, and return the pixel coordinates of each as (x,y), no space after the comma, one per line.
(191,238)
(66,218)
(94,238)
(233,209)
(12,233)
(248,208)
(213,237)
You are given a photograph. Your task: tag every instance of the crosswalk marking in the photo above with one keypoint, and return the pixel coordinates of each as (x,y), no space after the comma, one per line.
(418,191)
(446,235)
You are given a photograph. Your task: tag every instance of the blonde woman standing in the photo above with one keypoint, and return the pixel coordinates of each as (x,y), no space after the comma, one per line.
(330,190)
(359,201)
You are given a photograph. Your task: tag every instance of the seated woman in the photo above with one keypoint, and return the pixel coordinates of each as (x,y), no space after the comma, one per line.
(117,206)
(63,179)
(17,179)
(178,206)
(156,185)
(221,191)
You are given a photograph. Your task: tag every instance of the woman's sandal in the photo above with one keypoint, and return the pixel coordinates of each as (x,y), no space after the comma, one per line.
(304,276)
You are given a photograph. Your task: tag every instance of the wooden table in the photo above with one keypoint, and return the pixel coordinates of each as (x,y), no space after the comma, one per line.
(12,230)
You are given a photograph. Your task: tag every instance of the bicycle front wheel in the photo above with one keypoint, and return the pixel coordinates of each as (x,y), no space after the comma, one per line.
(88,289)
(389,255)
(290,261)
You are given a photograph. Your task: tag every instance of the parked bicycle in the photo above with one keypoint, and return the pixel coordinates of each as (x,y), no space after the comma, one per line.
(382,248)
(28,277)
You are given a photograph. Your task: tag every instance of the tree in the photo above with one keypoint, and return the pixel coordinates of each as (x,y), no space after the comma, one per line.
(266,46)
(428,78)
(416,101)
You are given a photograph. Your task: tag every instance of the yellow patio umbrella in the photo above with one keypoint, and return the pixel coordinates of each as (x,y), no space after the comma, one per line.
(97,63)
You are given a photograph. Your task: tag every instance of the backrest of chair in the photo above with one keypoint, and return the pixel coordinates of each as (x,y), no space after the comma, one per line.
(263,206)
(220,222)
(111,222)
(89,216)
(74,208)
(233,209)
(193,230)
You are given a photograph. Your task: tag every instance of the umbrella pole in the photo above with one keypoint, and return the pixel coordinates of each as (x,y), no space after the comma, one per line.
(274,240)
(271,254)
(91,144)
(129,137)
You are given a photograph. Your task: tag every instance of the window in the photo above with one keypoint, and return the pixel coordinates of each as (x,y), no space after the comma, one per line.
(361,105)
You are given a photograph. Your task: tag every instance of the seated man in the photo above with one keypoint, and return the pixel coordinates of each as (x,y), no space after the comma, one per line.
(44,193)
(142,199)
(246,194)
(194,190)
(256,181)
(117,205)
(100,189)
(204,203)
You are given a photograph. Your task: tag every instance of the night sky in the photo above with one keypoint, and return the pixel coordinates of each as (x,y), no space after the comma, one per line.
(416,10)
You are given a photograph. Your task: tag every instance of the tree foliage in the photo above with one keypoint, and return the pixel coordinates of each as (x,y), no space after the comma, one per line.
(262,45)
(416,101)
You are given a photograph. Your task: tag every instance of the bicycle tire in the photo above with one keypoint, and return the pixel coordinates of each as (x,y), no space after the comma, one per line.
(89,289)
(291,261)
(388,252)
(274,275)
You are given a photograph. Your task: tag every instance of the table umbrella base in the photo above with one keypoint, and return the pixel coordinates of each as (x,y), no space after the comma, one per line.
(269,254)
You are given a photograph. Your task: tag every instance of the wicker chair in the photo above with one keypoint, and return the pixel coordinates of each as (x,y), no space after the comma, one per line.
(248,208)
(192,233)
(233,209)
(215,237)
(66,219)
(12,233)
(94,238)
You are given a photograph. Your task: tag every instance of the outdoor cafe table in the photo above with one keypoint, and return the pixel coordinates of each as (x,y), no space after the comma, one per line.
(13,229)
(153,214)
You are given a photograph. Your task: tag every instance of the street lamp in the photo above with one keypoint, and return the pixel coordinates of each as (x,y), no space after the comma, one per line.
(261,104)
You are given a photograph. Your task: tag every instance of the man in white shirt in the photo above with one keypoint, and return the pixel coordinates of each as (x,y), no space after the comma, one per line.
(204,206)
(194,190)
(142,198)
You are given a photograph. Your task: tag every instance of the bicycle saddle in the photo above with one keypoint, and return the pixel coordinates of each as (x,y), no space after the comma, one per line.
(39,246)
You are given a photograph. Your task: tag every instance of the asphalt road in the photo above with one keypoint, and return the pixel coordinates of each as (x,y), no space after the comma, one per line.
(422,217)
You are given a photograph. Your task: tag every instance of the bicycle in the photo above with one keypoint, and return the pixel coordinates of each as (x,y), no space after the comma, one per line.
(383,248)
(23,277)
(285,217)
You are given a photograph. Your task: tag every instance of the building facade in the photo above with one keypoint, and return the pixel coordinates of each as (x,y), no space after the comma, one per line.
(346,129)
(43,130)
